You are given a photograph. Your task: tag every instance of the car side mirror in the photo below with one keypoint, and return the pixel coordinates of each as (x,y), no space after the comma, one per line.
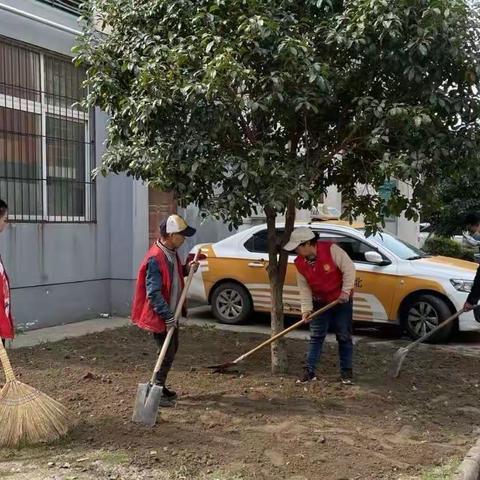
(375,258)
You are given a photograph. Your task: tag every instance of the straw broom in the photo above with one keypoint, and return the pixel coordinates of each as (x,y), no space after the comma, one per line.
(28,416)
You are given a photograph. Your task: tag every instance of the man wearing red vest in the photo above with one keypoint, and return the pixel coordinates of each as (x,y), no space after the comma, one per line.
(6,319)
(325,273)
(159,286)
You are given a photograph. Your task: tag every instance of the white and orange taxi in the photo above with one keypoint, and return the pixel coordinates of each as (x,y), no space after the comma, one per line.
(396,283)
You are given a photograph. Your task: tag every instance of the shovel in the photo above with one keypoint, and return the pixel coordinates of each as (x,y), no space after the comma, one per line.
(400,355)
(224,366)
(148,394)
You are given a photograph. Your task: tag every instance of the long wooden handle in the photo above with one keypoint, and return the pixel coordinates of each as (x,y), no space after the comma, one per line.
(287,330)
(7,366)
(439,327)
(162,354)
(178,313)
(435,330)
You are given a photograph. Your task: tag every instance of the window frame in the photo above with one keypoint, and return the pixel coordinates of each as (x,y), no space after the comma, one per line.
(44,108)
(372,247)
(251,237)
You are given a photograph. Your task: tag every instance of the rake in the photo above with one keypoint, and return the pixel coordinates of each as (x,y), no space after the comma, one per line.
(400,355)
(221,368)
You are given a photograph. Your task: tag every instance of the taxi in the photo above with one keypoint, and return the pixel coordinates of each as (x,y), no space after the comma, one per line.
(396,283)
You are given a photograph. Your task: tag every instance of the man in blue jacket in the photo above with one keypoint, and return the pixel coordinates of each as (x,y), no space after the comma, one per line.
(158,290)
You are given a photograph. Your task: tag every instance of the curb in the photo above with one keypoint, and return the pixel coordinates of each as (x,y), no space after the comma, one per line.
(469,469)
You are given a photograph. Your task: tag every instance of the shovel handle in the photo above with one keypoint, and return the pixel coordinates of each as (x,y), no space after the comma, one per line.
(287,330)
(178,313)
(161,356)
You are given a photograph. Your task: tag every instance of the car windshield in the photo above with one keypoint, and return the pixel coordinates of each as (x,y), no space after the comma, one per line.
(401,249)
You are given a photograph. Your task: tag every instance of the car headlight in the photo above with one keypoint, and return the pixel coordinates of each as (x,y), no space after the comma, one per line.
(462,285)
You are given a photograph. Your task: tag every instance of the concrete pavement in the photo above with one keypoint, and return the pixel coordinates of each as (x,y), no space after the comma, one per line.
(70,330)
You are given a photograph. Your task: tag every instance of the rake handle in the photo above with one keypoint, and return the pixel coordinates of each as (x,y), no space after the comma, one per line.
(436,329)
(7,366)
(178,313)
(439,327)
(287,330)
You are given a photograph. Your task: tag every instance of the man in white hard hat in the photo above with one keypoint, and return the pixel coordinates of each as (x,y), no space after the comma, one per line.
(159,287)
(325,273)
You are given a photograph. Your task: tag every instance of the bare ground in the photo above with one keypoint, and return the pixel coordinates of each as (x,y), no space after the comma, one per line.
(249,424)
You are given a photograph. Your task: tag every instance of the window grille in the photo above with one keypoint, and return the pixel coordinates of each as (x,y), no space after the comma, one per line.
(70,6)
(46,147)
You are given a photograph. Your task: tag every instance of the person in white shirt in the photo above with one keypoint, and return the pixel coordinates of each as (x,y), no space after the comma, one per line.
(471,237)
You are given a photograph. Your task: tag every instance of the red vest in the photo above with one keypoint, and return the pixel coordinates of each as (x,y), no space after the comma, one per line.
(324,277)
(143,314)
(6,319)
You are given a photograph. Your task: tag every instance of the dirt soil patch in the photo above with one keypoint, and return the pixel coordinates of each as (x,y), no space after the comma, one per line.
(249,424)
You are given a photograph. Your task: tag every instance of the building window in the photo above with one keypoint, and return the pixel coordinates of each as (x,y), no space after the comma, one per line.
(46,151)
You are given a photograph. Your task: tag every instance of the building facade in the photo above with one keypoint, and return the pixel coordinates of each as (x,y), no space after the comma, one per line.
(74,243)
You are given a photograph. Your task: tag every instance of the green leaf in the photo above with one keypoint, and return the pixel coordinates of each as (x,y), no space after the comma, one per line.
(210,46)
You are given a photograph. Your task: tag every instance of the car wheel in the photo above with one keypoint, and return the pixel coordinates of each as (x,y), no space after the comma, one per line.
(423,314)
(231,303)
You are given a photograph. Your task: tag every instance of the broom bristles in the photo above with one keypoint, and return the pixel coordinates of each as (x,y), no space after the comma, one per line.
(28,416)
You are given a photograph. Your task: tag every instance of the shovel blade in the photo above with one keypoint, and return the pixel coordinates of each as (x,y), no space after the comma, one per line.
(146,405)
(397,362)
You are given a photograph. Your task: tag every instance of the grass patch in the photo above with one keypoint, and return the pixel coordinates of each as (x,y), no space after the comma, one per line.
(7,474)
(184,473)
(113,458)
(443,472)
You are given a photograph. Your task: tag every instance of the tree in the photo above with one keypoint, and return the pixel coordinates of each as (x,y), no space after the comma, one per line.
(449,202)
(240,104)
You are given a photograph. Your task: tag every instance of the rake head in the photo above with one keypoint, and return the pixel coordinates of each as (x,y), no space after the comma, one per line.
(222,367)
(397,362)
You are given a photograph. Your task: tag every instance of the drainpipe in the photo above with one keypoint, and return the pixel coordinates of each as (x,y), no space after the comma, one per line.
(36,18)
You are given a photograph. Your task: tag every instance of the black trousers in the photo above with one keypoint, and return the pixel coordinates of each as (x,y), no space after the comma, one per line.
(169,357)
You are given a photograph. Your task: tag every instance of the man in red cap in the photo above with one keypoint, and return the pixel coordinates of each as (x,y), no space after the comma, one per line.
(158,290)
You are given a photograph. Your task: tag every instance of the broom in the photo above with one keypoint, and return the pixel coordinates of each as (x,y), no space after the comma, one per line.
(28,416)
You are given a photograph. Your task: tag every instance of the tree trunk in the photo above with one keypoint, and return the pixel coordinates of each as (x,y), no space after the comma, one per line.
(277,269)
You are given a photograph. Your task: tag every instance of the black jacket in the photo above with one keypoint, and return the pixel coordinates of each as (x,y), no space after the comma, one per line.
(474,296)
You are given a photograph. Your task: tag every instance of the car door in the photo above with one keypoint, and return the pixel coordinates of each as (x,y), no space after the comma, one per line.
(255,270)
(257,281)
(374,285)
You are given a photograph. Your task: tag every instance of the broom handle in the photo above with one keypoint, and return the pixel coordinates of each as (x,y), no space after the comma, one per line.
(7,366)
(287,330)
(178,313)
